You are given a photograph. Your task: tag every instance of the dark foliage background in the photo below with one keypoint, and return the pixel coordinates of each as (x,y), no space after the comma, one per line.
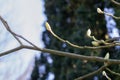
(70,19)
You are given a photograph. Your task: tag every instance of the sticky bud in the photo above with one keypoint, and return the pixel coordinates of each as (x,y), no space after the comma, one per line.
(99,11)
(95,43)
(107,56)
(48,26)
(89,33)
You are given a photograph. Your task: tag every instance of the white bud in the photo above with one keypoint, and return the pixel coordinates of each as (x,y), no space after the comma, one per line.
(104,73)
(107,56)
(89,33)
(95,43)
(48,26)
(99,11)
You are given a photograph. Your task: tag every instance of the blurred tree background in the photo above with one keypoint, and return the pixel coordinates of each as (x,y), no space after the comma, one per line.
(70,19)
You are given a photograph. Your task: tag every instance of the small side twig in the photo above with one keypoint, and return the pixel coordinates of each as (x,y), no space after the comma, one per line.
(8,28)
(92,73)
(102,12)
(14,34)
(115,2)
(56,36)
(27,41)
(76,46)
(112,72)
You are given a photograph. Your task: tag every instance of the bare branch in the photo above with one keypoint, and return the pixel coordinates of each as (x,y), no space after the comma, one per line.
(20,48)
(27,40)
(61,53)
(66,54)
(92,73)
(112,72)
(108,45)
(72,55)
(78,56)
(14,34)
(115,2)
(102,12)
(10,51)
(8,28)
(112,15)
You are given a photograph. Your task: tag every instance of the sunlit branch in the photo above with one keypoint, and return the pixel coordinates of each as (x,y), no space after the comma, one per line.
(111,15)
(115,2)
(107,45)
(102,12)
(112,72)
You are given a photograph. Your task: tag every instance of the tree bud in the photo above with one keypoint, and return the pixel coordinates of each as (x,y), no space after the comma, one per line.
(99,11)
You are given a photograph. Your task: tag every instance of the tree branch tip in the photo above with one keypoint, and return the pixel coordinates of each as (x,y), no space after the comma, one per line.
(89,33)
(48,26)
(99,11)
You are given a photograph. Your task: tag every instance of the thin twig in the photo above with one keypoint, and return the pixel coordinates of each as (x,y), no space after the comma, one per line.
(115,2)
(112,72)
(14,34)
(102,12)
(27,41)
(80,47)
(92,73)
(8,29)
(112,15)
